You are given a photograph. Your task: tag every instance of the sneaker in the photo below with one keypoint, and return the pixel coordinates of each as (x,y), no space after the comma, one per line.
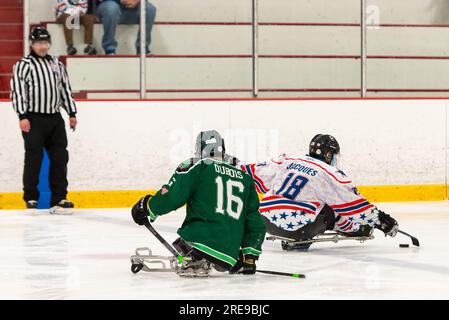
(64,207)
(193,268)
(110,52)
(90,50)
(31,204)
(71,50)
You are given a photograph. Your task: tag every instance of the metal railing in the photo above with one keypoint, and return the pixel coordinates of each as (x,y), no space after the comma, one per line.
(143,58)
(26,26)
(363,49)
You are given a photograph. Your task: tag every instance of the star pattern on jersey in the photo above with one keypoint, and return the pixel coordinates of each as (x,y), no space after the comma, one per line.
(363,216)
(290,220)
(283,215)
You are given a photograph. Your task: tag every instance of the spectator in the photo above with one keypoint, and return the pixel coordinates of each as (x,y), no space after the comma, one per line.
(70,13)
(113,12)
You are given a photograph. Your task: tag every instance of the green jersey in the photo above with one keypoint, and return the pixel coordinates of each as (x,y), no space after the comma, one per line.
(222,208)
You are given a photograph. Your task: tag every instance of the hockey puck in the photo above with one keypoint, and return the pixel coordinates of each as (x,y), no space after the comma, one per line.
(404,245)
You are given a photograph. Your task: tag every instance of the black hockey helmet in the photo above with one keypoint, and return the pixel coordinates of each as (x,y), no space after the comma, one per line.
(40,34)
(324,147)
(209,144)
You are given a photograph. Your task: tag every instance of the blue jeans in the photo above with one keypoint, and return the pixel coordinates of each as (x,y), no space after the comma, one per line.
(111,14)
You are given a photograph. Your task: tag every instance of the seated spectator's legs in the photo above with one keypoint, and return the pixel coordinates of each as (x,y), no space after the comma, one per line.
(88,21)
(109,12)
(132,16)
(65,20)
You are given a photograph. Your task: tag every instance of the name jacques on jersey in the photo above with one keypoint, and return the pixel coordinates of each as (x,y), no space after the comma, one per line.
(301,168)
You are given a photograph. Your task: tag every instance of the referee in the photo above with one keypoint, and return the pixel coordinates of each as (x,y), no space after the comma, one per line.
(39,87)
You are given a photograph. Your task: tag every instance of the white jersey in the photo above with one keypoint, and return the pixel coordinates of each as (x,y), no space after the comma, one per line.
(71,7)
(297,188)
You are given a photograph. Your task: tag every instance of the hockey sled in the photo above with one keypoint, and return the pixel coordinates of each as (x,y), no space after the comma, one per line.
(303,245)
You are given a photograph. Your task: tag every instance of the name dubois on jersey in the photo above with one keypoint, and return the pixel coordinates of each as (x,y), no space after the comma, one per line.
(233,173)
(301,168)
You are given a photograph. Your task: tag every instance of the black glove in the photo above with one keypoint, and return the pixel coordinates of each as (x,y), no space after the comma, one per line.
(246,264)
(140,211)
(387,224)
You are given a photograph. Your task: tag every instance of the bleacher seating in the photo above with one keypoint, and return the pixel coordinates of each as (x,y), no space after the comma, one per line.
(307,48)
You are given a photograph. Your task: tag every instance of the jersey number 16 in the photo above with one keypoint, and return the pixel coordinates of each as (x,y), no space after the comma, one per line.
(230,196)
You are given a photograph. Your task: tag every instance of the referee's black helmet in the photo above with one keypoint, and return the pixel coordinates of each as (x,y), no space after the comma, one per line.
(40,34)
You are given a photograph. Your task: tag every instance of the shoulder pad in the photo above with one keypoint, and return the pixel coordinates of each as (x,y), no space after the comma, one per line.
(233,161)
(280,159)
(186,165)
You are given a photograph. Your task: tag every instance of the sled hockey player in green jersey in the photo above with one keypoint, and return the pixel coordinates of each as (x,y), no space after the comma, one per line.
(223,228)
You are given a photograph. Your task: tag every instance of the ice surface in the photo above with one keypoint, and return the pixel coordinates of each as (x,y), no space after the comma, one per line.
(86,256)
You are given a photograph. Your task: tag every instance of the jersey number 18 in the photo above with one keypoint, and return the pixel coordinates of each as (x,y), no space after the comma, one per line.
(295,187)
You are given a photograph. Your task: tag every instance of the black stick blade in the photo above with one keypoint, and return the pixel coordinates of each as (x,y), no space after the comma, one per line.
(414,240)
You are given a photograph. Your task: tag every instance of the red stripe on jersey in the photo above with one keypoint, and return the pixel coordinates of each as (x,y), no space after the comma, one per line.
(357,211)
(348,228)
(271,198)
(258,189)
(253,170)
(342,182)
(348,204)
(269,208)
(342,223)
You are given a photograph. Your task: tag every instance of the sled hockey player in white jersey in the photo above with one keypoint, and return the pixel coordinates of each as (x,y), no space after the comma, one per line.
(306,195)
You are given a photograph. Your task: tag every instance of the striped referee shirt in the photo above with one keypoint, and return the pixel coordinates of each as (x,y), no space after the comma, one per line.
(41,85)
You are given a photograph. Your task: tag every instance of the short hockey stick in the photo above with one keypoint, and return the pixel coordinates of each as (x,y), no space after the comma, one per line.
(414,240)
(162,240)
(294,275)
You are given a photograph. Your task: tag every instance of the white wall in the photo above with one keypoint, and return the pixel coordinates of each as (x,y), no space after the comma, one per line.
(413,11)
(162,73)
(274,73)
(136,145)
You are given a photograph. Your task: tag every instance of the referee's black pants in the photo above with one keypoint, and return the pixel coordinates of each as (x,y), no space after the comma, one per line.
(47,131)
